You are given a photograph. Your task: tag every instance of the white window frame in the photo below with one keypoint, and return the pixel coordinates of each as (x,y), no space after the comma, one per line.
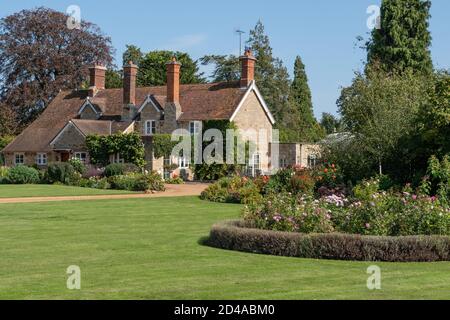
(312,160)
(19,154)
(79,156)
(117,158)
(283,162)
(183,162)
(195,127)
(41,159)
(256,165)
(150,127)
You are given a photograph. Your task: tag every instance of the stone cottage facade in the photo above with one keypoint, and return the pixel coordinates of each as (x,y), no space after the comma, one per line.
(59,133)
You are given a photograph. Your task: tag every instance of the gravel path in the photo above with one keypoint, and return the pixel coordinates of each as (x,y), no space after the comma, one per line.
(188,189)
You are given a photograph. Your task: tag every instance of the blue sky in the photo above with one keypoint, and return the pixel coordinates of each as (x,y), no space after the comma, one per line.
(322,32)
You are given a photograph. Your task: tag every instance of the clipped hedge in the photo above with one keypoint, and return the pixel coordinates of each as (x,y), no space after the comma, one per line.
(239,236)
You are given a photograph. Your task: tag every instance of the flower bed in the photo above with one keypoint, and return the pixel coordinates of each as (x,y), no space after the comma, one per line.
(242,236)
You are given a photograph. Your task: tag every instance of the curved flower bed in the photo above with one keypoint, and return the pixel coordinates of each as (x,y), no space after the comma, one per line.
(241,236)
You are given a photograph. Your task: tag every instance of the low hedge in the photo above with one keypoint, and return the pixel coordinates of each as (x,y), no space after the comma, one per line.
(240,236)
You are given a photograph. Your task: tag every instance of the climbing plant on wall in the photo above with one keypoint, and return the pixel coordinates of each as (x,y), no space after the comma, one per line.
(128,145)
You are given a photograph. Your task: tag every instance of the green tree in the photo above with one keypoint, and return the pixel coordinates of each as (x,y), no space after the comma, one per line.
(300,119)
(381,110)
(132,53)
(330,123)
(113,79)
(403,41)
(270,74)
(226,68)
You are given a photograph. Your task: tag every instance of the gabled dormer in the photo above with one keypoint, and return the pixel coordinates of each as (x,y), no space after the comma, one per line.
(89,111)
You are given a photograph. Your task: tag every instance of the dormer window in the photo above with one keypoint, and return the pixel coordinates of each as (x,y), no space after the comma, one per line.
(150,127)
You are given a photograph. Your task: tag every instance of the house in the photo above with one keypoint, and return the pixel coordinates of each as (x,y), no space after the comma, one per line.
(60,131)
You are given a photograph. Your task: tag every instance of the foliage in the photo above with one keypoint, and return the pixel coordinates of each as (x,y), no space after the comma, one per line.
(174,180)
(366,106)
(128,145)
(118,169)
(370,212)
(137,182)
(4,141)
(95,183)
(152,66)
(328,175)
(242,236)
(39,56)
(22,175)
(403,41)
(113,79)
(162,145)
(270,74)
(330,123)
(62,172)
(226,68)
(214,171)
(3,174)
(439,175)
(300,120)
(78,166)
(234,189)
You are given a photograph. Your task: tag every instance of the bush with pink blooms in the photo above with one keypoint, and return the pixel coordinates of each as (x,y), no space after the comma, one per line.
(369,211)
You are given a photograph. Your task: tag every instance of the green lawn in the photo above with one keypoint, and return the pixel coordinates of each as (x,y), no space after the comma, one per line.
(148,249)
(43,190)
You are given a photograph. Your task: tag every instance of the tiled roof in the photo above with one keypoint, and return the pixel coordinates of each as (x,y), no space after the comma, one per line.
(213,101)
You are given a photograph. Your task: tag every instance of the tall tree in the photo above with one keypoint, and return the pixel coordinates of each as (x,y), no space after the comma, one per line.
(226,68)
(330,123)
(40,55)
(113,79)
(300,118)
(403,41)
(270,74)
(132,53)
(152,66)
(367,110)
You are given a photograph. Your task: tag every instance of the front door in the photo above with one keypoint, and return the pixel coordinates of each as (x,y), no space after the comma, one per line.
(65,156)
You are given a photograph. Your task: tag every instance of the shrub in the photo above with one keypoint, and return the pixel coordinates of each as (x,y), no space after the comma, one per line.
(22,175)
(118,169)
(280,181)
(238,235)
(174,180)
(78,166)
(95,183)
(302,182)
(3,174)
(155,181)
(62,172)
(381,213)
(233,189)
(329,175)
(137,182)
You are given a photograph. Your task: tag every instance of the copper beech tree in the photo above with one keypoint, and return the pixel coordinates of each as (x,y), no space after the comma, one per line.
(40,55)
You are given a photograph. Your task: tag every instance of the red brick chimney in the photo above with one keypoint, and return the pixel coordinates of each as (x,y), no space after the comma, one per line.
(248,68)
(96,79)
(173,81)
(129,83)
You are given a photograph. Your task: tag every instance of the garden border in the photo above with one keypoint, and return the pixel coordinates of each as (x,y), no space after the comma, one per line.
(240,236)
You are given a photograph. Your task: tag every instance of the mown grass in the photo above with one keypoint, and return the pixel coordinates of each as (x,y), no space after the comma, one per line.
(43,190)
(149,249)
